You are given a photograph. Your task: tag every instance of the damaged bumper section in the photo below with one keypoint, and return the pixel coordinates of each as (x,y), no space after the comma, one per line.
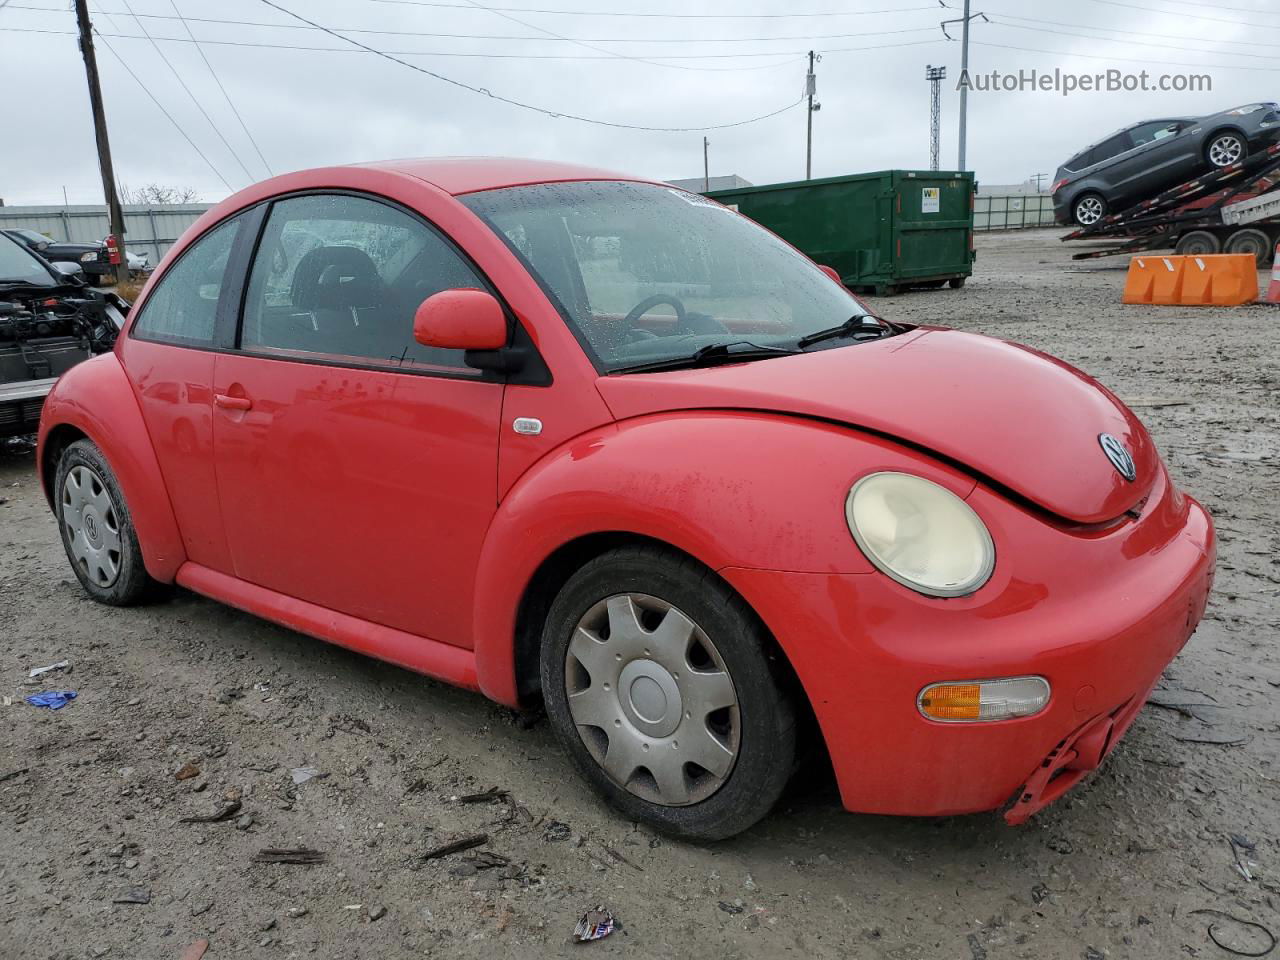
(1097,614)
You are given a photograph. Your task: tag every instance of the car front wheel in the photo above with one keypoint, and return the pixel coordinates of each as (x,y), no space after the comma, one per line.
(666,691)
(97,529)
(1225,149)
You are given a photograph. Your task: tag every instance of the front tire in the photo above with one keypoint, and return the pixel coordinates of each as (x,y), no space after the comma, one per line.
(97,528)
(667,693)
(1225,148)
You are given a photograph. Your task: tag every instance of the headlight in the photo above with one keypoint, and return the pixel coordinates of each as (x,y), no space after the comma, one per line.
(920,534)
(88,257)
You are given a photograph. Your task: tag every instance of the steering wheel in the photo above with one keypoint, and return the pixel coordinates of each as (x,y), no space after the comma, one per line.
(647,304)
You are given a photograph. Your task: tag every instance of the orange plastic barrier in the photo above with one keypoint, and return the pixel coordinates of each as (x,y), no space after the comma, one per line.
(1220,279)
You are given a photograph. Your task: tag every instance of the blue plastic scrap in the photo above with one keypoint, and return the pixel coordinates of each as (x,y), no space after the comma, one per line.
(52,699)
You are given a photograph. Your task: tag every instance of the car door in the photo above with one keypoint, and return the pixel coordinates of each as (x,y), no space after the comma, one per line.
(1156,160)
(356,469)
(168,356)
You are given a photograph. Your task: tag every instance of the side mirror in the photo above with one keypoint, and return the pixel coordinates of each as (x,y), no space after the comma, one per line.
(461,319)
(68,270)
(831,272)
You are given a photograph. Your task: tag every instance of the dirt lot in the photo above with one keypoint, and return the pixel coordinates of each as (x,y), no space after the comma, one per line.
(1116,870)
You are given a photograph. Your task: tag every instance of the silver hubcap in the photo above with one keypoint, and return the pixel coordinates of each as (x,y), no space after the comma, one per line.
(92,527)
(1225,151)
(652,700)
(1089,211)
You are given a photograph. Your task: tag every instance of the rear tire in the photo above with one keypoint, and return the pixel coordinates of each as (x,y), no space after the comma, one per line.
(1252,241)
(1088,208)
(648,597)
(97,529)
(1198,243)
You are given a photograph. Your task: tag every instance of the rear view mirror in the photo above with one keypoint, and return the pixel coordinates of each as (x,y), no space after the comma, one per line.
(461,319)
(68,270)
(831,272)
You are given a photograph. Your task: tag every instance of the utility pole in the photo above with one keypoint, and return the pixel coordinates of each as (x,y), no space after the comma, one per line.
(964,72)
(935,76)
(114,213)
(810,88)
(706,166)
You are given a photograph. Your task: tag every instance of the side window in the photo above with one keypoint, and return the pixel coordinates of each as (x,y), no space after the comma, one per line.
(1111,147)
(181,308)
(1147,132)
(340,277)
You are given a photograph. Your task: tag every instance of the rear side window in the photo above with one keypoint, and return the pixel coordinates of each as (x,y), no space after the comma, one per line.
(1079,161)
(338,276)
(182,307)
(1111,147)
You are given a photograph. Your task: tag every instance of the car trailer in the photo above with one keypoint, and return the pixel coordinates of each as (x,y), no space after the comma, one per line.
(1233,210)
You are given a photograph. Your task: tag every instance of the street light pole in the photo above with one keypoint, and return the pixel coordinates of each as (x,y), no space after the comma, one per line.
(964,86)
(706,166)
(810,88)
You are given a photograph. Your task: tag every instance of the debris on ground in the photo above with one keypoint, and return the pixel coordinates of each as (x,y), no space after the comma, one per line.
(1238,845)
(1214,933)
(377,913)
(556,832)
(51,699)
(301,775)
(456,846)
(228,811)
(595,925)
(187,771)
(40,671)
(195,951)
(13,773)
(485,796)
(134,895)
(290,855)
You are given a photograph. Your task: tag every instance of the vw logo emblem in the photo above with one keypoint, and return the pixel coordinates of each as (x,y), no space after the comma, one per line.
(91,527)
(1120,458)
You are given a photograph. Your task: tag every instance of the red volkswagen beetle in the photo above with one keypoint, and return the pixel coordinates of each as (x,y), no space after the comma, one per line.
(549,432)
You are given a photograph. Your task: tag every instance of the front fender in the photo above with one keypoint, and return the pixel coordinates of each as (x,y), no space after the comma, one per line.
(95,399)
(730,488)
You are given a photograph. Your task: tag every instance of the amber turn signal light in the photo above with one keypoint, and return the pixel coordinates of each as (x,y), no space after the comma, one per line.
(984,699)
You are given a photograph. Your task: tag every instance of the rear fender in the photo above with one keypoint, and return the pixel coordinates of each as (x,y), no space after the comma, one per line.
(95,399)
(731,489)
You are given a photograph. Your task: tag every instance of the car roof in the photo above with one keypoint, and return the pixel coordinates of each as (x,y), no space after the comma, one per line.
(458,175)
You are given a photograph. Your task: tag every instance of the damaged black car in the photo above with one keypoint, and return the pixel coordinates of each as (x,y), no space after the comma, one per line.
(50,320)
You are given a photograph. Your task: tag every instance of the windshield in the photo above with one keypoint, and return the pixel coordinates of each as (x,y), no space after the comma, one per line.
(17,265)
(647,273)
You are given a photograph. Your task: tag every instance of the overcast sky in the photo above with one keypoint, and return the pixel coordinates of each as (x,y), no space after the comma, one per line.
(311,108)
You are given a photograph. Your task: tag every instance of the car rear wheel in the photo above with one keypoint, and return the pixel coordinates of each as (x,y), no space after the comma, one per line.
(1089,209)
(97,529)
(1198,243)
(662,685)
(1225,149)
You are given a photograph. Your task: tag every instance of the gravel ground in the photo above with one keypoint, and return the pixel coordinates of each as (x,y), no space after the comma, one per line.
(91,801)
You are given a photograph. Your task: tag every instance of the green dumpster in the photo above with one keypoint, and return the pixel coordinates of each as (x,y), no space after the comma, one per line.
(880,231)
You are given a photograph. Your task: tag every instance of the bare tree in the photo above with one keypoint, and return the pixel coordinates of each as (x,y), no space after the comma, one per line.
(156,193)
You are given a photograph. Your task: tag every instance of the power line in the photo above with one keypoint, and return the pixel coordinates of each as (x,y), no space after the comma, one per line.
(1140,43)
(1129,34)
(1193,16)
(663,16)
(166,113)
(182,83)
(521,104)
(1160,63)
(216,79)
(549,36)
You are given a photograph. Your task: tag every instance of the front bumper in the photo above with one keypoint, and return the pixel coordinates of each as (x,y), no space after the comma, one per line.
(1099,614)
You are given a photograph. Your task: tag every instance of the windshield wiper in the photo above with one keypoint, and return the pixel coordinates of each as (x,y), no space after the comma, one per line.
(711,354)
(851,326)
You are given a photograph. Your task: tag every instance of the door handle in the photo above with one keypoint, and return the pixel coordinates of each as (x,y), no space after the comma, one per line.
(231,403)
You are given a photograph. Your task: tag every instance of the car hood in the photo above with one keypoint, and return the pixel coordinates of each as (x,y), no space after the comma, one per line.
(1015,417)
